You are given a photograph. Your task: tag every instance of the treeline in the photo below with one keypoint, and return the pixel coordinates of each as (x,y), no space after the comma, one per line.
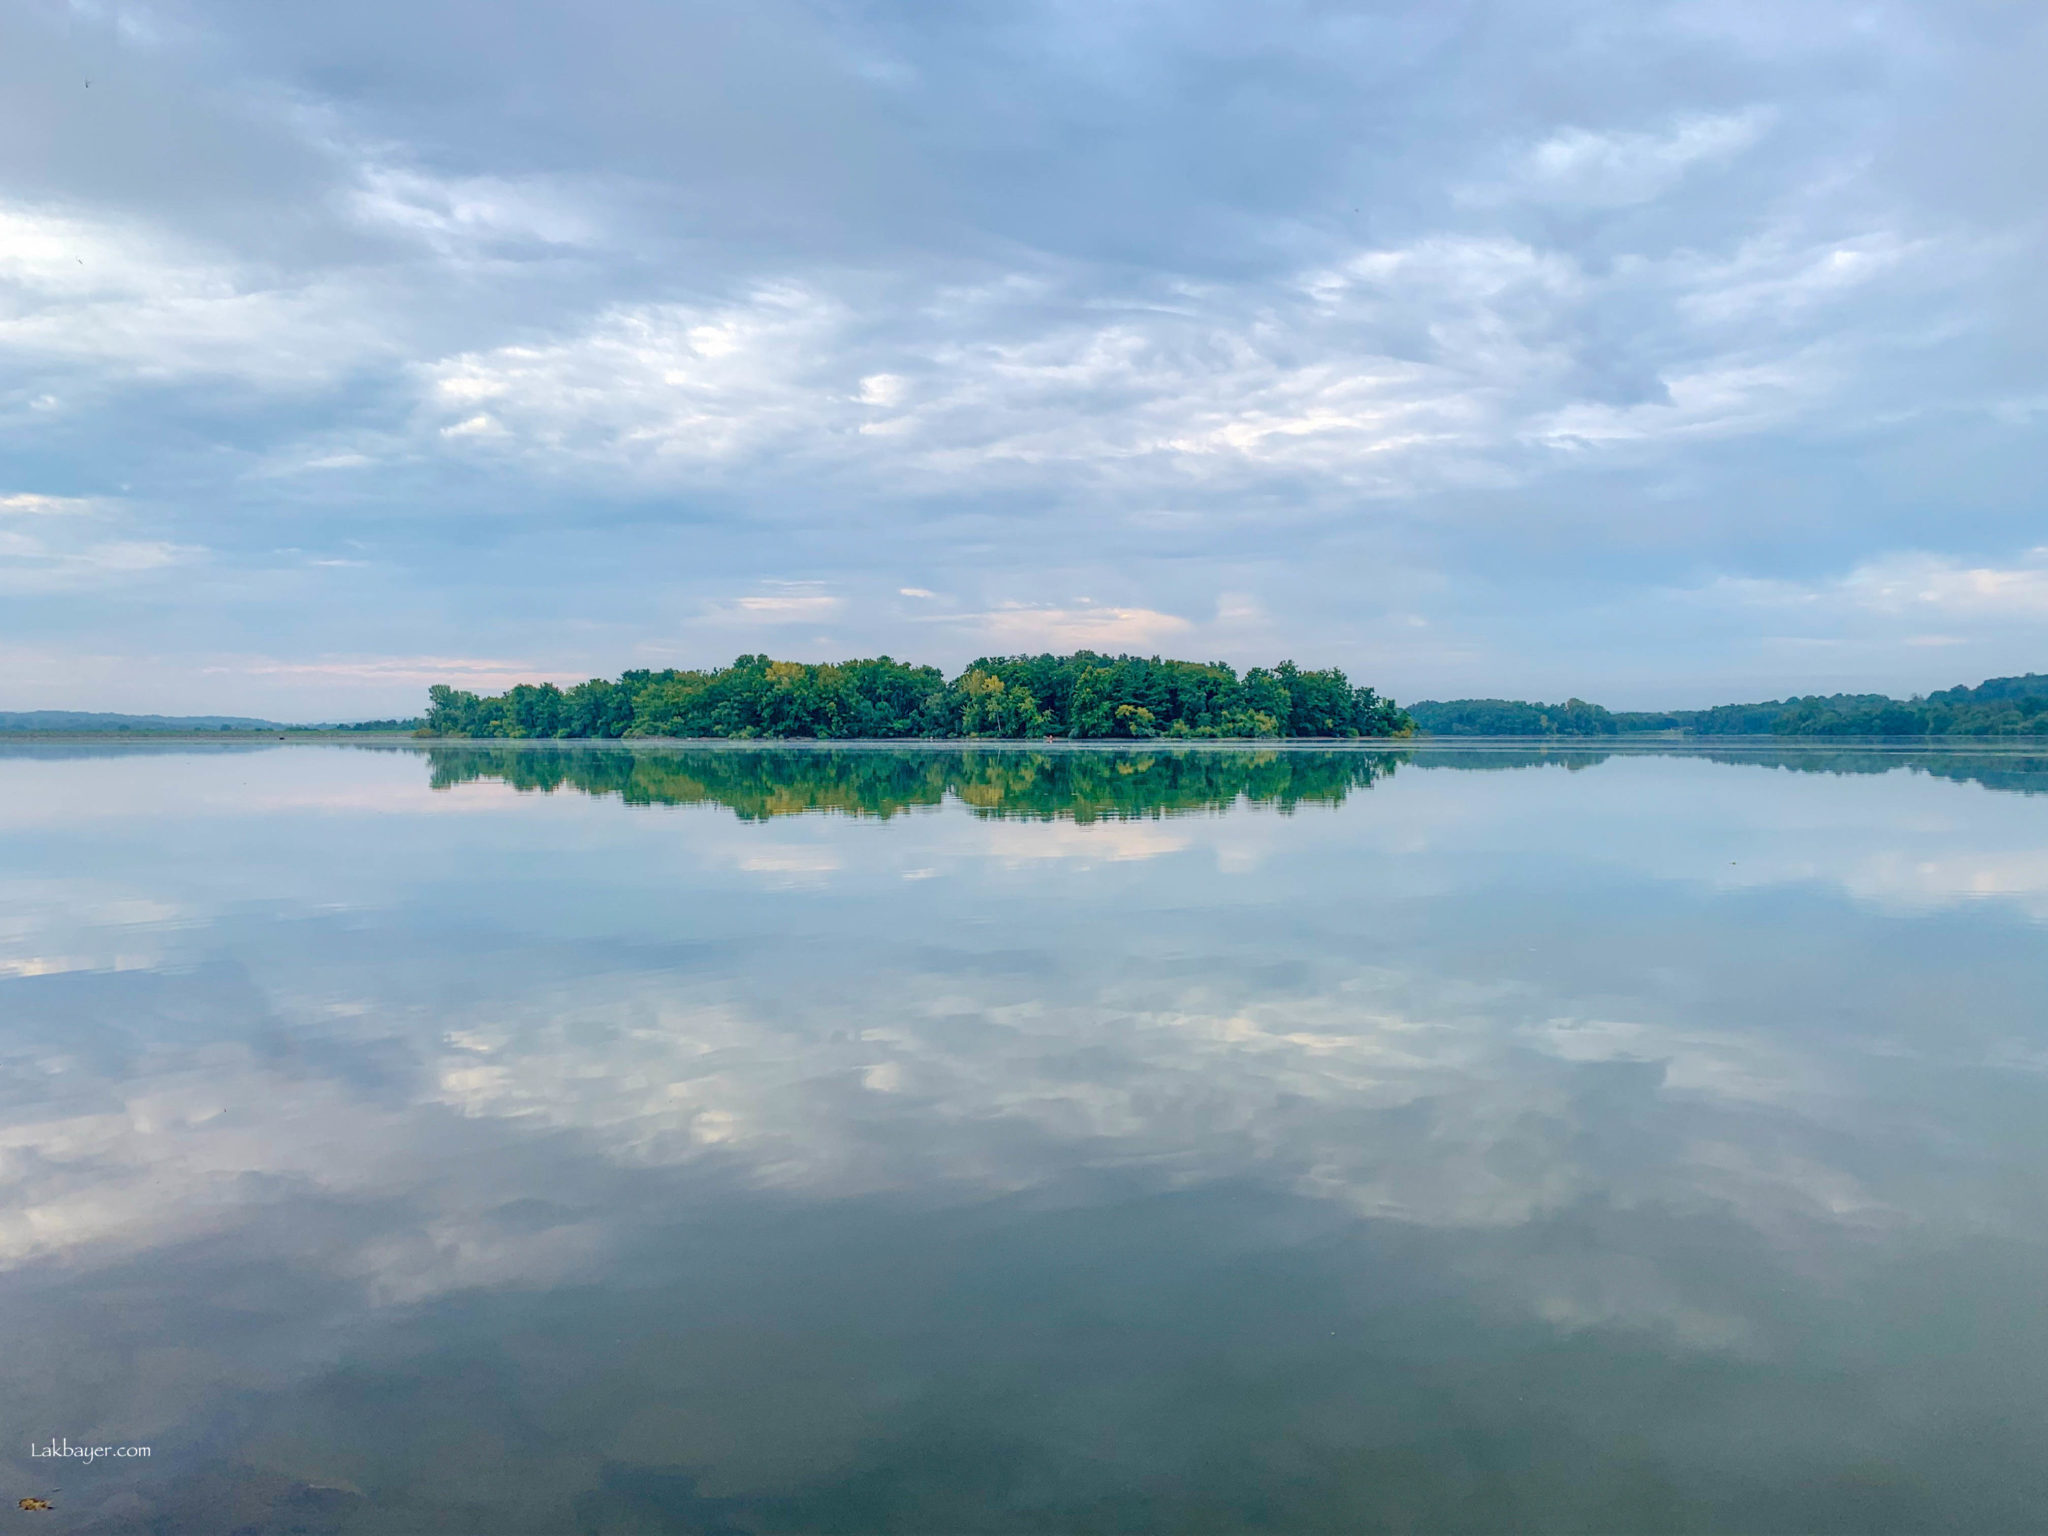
(1066,786)
(1511,717)
(71,722)
(1085,696)
(2003,706)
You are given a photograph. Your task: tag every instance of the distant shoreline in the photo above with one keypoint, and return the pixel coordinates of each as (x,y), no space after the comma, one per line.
(1641,743)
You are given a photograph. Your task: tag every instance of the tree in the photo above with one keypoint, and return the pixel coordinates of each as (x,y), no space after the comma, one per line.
(1086,695)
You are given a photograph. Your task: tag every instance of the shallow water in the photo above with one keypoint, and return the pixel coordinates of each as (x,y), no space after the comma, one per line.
(585,1140)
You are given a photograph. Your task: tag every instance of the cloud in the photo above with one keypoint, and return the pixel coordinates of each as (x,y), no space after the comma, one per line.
(67,544)
(1023,628)
(1393,371)
(1614,169)
(1912,584)
(1773,277)
(794,602)
(138,302)
(470,217)
(26,504)
(652,386)
(1315,378)
(1923,582)
(1716,402)
(786,609)
(883,389)
(1544,315)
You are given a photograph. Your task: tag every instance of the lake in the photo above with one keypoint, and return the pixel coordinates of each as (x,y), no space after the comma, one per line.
(564,1139)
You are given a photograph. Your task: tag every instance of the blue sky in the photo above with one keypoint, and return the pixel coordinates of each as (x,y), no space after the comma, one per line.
(1654,353)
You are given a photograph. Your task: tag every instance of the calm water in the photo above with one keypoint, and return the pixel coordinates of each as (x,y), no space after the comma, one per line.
(587,1141)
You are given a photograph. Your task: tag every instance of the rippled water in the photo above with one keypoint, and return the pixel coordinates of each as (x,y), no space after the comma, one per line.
(581,1140)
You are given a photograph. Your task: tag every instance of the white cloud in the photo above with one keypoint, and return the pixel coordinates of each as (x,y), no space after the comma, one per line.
(137,302)
(26,504)
(69,544)
(659,384)
(1392,371)
(1776,276)
(1023,628)
(792,602)
(1911,585)
(1920,583)
(789,609)
(466,217)
(1713,402)
(1229,381)
(883,389)
(131,299)
(1614,169)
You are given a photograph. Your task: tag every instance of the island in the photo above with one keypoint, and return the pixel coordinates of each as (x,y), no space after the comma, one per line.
(1083,696)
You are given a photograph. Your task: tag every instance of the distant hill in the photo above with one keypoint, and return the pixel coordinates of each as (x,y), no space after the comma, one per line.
(80,722)
(2000,706)
(89,720)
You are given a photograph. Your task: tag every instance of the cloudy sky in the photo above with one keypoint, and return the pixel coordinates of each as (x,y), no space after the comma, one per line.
(1656,353)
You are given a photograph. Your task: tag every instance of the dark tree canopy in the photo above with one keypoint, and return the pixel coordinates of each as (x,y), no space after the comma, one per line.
(2003,706)
(1085,696)
(1511,717)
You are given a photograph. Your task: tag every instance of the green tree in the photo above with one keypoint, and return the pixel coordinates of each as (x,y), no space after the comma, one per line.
(1086,695)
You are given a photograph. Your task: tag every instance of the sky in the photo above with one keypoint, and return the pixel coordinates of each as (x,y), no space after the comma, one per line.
(1660,354)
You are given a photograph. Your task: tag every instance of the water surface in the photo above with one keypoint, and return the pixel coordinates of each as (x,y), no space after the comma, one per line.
(594,1140)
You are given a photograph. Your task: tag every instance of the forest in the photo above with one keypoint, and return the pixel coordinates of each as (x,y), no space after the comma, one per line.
(1092,696)
(1512,717)
(2001,706)
(1084,696)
